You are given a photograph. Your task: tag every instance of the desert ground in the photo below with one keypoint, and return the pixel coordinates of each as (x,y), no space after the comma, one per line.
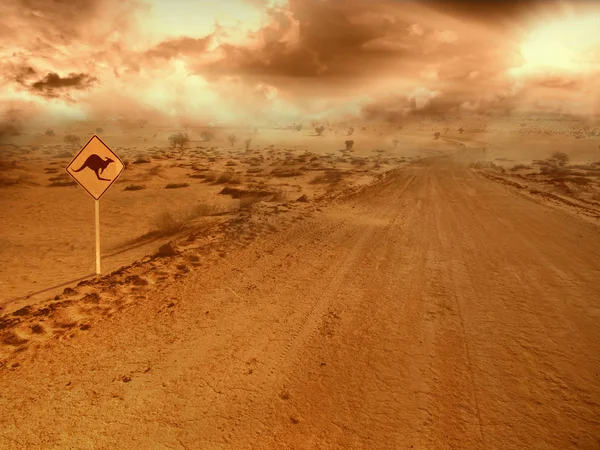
(290,293)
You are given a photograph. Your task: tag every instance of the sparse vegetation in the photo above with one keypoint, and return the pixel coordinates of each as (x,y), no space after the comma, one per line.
(134,187)
(285,173)
(141,160)
(319,130)
(72,140)
(176,185)
(179,139)
(62,183)
(247,143)
(395,143)
(167,223)
(49,132)
(330,176)
(349,144)
(228,177)
(232,138)
(561,158)
(520,167)
(207,135)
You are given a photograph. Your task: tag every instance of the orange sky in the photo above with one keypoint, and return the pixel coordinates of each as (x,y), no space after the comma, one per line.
(256,61)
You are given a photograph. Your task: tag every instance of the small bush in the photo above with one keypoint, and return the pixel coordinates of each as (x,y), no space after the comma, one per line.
(62,183)
(176,185)
(49,132)
(232,139)
(168,223)
(286,173)
(207,135)
(208,209)
(561,157)
(228,177)
(135,187)
(249,200)
(520,167)
(330,176)
(73,140)
(99,130)
(64,155)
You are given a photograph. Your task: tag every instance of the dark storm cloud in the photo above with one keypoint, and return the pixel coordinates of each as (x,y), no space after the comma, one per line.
(52,82)
(328,42)
(492,12)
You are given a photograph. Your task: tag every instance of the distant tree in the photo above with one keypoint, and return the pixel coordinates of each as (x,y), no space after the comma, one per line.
(350,131)
(232,138)
(298,127)
(207,135)
(395,142)
(460,130)
(436,135)
(561,158)
(319,130)
(99,130)
(247,143)
(73,140)
(179,139)
(49,132)
(349,144)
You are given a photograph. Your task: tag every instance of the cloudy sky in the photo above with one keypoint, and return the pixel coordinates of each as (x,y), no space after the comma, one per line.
(255,61)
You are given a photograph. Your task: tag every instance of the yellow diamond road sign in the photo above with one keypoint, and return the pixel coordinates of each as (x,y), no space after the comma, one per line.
(95,167)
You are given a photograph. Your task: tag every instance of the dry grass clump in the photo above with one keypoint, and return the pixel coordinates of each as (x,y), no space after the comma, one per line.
(286,173)
(330,176)
(228,178)
(62,183)
(168,223)
(134,187)
(206,209)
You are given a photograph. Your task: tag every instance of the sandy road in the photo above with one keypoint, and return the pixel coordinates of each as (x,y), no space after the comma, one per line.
(435,309)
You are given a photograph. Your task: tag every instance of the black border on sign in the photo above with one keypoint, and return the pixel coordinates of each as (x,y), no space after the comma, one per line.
(77,155)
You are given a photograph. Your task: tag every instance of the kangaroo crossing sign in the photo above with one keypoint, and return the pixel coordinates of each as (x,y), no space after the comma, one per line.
(95,167)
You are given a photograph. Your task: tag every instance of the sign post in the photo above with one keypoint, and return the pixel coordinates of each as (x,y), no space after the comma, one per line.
(95,168)
(97,204)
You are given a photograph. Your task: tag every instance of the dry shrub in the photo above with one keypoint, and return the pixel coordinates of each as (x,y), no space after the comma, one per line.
(167,223)
(62,183)
(331,176)
(206,209)
(228,177)
(286,173)
(135,187)
(176,185)
(249,199)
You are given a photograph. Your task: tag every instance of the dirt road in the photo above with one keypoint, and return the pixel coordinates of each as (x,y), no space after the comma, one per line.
(434,309)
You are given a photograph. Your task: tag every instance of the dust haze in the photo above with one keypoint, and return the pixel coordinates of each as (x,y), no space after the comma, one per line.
(340,224)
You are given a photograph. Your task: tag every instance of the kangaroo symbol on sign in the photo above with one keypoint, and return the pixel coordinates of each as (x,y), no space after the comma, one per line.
(97,164)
